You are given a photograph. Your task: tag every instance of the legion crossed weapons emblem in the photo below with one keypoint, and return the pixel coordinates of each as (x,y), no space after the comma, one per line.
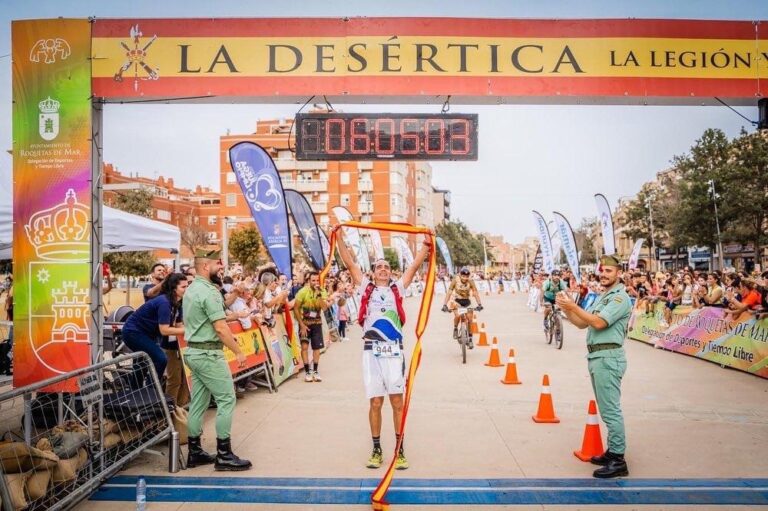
(136,58)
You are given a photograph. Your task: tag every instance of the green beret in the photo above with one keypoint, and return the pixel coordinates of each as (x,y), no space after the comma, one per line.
(610,260)
(202,253)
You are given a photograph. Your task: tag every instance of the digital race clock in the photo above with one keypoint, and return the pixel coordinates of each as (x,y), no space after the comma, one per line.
(333,136)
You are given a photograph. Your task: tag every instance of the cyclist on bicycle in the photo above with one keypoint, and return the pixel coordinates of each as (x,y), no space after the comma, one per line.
(549,290)
(462,288)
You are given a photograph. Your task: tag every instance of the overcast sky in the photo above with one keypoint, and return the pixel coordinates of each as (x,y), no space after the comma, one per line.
(531,157)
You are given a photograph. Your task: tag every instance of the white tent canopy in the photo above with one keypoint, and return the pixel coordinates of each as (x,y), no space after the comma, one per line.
(122,232)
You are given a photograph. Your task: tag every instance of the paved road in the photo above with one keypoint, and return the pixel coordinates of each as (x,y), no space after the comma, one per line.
(686,419)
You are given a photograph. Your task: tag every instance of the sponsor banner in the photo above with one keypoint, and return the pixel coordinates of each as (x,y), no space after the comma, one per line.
(708,333)
(545,242)
(569,244)
(482,286)
(606,224)
(251,343)
(307,226)
(152,58)
(283,348)
(51,199)
(263,191)
(445,253)
(353,238)
(635,256)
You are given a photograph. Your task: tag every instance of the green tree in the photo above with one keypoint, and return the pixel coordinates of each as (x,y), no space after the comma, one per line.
(132,264)
(743,191)
(390,254)
(193,235)
(466,248)
(691,219)
(244,245)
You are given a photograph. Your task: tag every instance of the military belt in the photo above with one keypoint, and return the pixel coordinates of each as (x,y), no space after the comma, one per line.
(208,345)
(600,347)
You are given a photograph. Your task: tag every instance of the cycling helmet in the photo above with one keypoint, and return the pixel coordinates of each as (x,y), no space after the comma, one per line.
(464,271)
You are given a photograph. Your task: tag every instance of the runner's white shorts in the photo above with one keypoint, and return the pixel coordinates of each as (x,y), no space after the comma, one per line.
(383,376)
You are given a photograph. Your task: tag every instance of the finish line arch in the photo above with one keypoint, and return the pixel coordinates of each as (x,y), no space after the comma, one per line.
(65,69)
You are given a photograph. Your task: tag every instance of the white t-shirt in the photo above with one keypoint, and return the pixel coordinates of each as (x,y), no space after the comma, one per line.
(382,322)
(240,305)
(268,297)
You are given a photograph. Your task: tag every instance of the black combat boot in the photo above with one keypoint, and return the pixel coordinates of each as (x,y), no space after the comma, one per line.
(603,459)
(226,459)
(197,456)
(615,467)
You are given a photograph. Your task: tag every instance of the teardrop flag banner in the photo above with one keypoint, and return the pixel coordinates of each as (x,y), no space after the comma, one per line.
(635,253)
(606,223)
(446,253)
(353,238)
(377,498)
(545,242)
(569,244)
(305,222)
(378,246)
(263,191)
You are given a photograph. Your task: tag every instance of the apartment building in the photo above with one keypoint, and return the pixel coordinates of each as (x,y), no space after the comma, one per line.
(373,191)
(181,207)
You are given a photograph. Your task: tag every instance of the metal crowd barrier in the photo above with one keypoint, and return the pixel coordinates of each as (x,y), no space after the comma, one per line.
(58,447)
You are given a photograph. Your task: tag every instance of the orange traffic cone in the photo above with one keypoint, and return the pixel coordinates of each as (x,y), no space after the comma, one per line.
(592,445)
(546,411)
(483,341)
(493,360)
(473,324)
(510,378)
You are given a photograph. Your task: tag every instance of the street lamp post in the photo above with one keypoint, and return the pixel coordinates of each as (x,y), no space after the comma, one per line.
(712,191)
(648,199)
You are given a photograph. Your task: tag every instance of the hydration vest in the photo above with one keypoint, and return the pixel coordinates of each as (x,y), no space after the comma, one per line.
(367,297)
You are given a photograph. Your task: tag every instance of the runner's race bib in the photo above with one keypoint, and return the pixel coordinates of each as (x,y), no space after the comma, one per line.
(386,349)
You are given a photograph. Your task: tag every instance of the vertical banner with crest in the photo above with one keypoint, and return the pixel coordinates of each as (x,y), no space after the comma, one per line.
(569,244)
(263,191)
(305,222)
(52,199)
(606,223)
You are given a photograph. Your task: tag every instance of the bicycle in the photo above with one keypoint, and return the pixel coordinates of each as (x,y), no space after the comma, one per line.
(553,327)
(464,337)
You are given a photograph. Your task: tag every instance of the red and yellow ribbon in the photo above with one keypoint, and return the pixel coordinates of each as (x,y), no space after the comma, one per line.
(377,498)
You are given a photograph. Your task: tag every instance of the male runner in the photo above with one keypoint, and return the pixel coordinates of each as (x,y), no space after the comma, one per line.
(383,361)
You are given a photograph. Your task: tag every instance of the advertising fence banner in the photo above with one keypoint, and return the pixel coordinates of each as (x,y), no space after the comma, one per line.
(263,191)
(283,349)
(707,333)
(251,343)
(52,199)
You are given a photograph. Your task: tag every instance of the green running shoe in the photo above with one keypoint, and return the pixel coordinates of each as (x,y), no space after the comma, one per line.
(401,463)
(376,459)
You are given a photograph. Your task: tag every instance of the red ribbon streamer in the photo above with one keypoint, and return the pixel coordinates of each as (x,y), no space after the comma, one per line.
(378,496)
